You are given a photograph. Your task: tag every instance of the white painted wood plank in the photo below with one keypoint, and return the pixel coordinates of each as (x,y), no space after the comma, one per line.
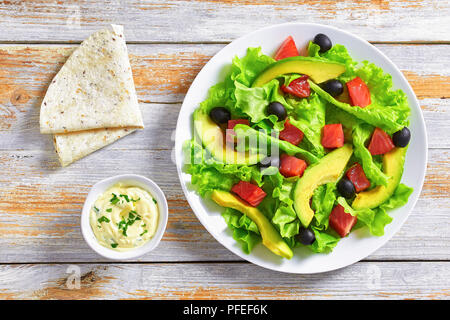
(48,230)
(200,20)
(57,238)
(160,121)
(163,74)
(374,280)
(41,204)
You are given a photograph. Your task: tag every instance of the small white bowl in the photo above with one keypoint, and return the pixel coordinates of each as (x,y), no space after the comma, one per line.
(135,180)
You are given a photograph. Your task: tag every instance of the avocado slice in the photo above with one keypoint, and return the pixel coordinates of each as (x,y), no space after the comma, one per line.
(212,138)
(317,69)
(393,162)
(270,236)
(328,169)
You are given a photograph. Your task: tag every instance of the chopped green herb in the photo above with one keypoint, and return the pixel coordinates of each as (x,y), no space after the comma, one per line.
(114,199)
(109,210)
(154,200)
(103,219)
(133,200)
(114,245)
(125,197)
(145,231)
(124,224)
(132,217)
(96,209)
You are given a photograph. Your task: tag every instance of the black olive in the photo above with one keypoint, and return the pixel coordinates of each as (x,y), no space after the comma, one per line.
(346,188)
(323,42)
(306,236)
(333,87)
(220,115)
(269,162)
(277,109)
(401,138)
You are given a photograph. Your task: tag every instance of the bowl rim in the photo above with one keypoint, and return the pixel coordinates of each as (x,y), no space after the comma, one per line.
(100,187)
(420,177)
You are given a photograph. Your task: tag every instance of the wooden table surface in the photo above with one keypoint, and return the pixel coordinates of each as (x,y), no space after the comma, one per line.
(42,251)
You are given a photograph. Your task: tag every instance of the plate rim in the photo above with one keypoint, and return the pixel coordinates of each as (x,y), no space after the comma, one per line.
(248,257)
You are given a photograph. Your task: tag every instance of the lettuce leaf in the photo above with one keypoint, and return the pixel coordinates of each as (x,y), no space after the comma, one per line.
(286,220)
(365,216)
(270,182)
(339,54)
(243,130)
(245,70)
(398,199)
(207,174)
(244,229)
(242,73)
(361,134)
(322,203)
(310,118)
(325,242)
(376,219)
(235,92)
(389,109)
(277,206)
(221,94)
(253,102)
(388,118)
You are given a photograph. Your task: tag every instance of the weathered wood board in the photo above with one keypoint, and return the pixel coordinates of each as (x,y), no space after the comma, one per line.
(41,206)
(163,73)
(49,198)
(218,21)
(169,42)
(366,280)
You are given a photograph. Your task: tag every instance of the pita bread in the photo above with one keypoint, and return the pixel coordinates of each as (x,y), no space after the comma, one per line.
(94,89)
(71,147)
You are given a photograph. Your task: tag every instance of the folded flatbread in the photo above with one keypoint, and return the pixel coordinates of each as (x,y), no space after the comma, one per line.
(73,146)
(92,100)
(94,89)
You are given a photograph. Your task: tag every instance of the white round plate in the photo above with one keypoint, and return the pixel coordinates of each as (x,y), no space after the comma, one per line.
(359,244)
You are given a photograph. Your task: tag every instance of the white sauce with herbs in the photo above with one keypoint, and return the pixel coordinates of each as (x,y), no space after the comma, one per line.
(124,217)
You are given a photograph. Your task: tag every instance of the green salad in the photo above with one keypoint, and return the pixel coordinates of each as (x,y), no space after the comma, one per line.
(301,150)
